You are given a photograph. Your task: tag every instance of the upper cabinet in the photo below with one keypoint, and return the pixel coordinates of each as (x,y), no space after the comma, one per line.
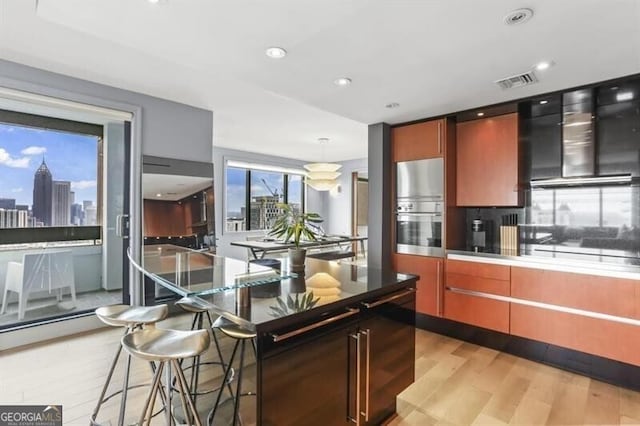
(418,141)
(487,162)
(618,128)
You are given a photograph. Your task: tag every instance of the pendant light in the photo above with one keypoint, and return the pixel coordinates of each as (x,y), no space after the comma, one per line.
(322,176)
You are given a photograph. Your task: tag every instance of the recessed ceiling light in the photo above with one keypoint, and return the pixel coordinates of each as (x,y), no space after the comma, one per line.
(392,105)
(276,52)
(480,114)
(544,65)
(518,16)
(157,1)
(158,195)
(544,102)
(342,81)
(323,140)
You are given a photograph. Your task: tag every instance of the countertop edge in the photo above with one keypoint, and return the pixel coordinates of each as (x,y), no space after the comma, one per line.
(625,272)
(351,302)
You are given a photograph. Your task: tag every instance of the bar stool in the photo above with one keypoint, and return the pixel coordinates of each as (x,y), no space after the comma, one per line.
(200,312)
(131,318)
(241,335)
(167,347)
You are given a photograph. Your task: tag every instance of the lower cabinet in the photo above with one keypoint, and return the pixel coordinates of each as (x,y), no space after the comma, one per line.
(306,383)
(476,310)
(469,287)
(347,372)
(429,297)
(616,297)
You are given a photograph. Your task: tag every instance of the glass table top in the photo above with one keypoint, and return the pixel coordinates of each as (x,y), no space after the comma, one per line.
(193,273)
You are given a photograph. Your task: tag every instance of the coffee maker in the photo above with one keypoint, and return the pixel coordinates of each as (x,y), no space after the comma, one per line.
(481,235)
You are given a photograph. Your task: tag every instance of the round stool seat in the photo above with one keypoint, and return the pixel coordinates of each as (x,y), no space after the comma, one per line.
(154,344)
(125,315)
(191,305)
(233,330)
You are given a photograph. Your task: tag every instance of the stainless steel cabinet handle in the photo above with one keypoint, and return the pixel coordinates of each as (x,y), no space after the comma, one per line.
(388,299)
(301,330)
(367,376)
(356,420)
(438,289)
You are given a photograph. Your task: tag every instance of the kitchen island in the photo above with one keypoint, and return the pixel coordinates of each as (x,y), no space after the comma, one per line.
(335,343)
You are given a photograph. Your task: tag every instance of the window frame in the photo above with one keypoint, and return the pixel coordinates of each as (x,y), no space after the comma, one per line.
(247,192)
(19,238)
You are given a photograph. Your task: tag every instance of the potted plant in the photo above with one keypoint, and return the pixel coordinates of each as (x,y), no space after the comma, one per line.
(293,224)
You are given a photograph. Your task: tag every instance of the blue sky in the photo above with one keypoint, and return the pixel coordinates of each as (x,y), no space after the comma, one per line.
(69,156)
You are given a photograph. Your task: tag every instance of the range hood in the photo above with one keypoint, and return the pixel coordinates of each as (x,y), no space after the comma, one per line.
(582,181)
(578,145)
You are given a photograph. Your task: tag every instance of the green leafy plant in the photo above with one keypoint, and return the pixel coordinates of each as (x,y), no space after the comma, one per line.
(291,223)
(299,304)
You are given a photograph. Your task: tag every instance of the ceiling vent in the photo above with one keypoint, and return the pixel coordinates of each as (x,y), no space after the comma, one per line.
(518,80)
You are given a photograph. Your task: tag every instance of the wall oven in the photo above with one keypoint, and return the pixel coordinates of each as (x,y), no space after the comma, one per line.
(419,206)
(419,228)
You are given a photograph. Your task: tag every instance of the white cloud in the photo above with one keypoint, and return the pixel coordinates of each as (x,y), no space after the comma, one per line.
(7,160)
(83,184)
(15,190)
(34,150)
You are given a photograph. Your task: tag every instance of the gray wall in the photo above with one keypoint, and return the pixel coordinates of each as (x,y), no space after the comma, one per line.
(316,201)
(338,219)
(169,129)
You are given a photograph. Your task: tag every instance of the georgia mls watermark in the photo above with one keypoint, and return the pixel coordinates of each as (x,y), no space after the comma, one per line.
(30,415)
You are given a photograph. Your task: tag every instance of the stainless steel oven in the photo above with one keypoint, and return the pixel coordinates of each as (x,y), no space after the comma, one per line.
(419,206)
(419,227)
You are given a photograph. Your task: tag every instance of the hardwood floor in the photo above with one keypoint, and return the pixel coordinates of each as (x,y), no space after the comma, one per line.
(457,383)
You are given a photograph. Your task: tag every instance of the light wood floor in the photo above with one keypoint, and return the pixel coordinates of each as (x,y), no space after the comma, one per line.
(457,383)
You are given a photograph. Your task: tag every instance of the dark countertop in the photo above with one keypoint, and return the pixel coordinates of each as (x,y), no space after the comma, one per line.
(338,286)
(561,258)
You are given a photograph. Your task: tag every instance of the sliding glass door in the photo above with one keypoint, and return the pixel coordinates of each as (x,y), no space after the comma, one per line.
(64,194)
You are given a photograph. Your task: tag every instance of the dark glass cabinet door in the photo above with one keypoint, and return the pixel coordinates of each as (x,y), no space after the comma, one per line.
(545,135)
(618,139)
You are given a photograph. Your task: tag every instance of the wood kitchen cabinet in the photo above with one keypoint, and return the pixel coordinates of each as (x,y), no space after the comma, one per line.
(418,141)
(597,336)
(430,285)
(487,162)
(465,298)
(348,371)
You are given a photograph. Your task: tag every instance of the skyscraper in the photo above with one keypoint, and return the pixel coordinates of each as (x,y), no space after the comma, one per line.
(7,203)
(61,203)
(42,194)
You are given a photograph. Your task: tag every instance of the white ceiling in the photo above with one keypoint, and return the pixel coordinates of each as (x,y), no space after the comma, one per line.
(430,56)
(172,187)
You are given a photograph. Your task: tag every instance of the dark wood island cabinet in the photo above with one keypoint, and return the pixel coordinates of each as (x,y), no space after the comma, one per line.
(342,361)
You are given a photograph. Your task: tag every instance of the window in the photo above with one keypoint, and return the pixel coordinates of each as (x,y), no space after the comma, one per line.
(253,196)
(49,170)
(54,262)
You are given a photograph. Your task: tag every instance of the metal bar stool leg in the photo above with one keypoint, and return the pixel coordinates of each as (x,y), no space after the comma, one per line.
(107,382)
(216,343)
(225,379)
(147,411)
(236,408)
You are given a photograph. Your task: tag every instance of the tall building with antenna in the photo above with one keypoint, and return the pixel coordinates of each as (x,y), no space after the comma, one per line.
(42,195)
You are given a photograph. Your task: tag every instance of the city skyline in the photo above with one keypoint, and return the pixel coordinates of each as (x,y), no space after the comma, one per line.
(236,188)
(70,157)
